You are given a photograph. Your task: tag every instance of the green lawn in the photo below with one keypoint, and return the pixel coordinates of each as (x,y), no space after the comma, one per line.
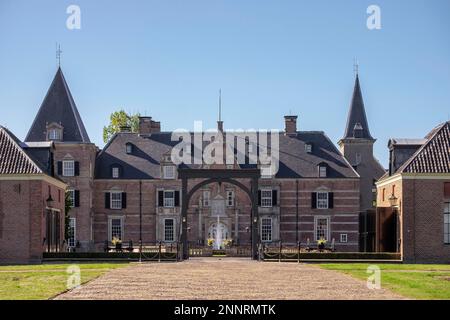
(417,281)
(44,281)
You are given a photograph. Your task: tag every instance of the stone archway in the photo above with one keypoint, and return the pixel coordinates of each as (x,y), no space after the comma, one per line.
(219,176)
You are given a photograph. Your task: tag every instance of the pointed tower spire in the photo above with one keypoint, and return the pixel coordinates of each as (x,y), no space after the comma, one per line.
(220,122)
(357,125)
(58,108)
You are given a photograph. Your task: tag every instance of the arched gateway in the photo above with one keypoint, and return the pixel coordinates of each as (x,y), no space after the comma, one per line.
(219,176)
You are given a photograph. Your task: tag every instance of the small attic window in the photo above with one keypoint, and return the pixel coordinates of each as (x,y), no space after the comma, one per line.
(308,148)
(54,134)
(129,148)
(322,170)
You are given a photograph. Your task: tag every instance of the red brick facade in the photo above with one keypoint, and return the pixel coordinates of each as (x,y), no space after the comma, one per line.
(23,210)
(420,200)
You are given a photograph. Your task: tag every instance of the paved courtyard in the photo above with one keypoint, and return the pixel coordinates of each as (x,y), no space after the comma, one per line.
(222,279)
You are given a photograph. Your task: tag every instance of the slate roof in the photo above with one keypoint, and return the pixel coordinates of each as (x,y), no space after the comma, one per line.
(357,115)
(434,155)
(407,142)
(13,158)
(148,151)
(58,107)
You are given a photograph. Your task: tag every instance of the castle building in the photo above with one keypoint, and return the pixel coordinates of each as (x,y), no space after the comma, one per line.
(133,191)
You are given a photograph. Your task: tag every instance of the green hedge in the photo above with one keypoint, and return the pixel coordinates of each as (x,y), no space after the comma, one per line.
(335,255)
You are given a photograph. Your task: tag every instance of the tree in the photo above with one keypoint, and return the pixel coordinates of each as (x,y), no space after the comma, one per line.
(120,119)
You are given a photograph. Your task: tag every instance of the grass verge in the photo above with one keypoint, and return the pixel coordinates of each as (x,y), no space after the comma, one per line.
(417,281)
(37,282)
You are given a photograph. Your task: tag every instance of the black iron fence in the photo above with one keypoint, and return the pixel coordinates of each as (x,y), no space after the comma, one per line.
(125,251)
(288,252)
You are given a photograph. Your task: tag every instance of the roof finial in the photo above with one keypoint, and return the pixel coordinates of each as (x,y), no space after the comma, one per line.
(58,54)
(220,104)
(355,66)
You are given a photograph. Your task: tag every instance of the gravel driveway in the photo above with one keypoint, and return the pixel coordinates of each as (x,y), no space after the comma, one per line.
(224,279)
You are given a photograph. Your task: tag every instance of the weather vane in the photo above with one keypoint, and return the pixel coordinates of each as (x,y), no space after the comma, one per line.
(58,54)
(355,66)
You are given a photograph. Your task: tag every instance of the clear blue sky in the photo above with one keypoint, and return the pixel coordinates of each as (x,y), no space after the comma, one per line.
(168,59)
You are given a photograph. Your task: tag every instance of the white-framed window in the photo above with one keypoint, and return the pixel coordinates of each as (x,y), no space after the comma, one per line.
(116,200)
(72,236)
(447,223)
(54,134)
(115,172)
(129,148)
(308,148)
(266,198)
(115,228)
(169,230)
(322,200)
(68,168)
(266,229)
(344,237)
(322,171)
(206,198)
(169,198)
(169,172)
(321,228)
(71,193)
(230,198)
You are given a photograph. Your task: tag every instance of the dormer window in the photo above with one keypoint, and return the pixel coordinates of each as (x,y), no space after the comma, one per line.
(169,172)
(129,148)
(54,134)
(322,171)
(54,131)
(308,148)
(115,172)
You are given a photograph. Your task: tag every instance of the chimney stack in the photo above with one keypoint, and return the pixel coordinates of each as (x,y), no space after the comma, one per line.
(290,125)
(148,126)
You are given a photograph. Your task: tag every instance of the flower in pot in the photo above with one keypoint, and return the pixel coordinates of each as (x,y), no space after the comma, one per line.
(210,242)
(321,243)
(117,243)
(228,243)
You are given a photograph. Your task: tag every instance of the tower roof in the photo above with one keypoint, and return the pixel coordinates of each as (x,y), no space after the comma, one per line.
(58,107)
(357,126)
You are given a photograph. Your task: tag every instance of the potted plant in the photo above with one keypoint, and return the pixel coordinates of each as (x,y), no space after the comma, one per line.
(228,243)
(321,244)
(117,243)
(210,242)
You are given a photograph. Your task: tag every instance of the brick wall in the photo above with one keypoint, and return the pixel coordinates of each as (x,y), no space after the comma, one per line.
(22,220)
(421,205)
(84,182)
